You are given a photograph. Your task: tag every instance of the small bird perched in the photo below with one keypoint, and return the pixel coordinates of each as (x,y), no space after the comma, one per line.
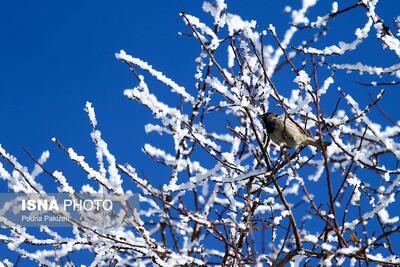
(282,130)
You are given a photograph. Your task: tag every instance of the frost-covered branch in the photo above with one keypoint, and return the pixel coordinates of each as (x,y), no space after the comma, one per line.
(233,197)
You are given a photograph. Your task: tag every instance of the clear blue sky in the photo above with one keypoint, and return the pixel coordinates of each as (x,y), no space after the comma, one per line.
(56,55)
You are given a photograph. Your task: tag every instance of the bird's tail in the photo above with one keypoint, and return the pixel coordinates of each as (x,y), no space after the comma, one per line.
(317,143)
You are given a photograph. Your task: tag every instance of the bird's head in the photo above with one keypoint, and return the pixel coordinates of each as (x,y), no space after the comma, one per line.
(268,120)
(268,116)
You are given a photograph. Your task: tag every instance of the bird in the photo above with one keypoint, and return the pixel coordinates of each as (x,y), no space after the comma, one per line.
(281,130)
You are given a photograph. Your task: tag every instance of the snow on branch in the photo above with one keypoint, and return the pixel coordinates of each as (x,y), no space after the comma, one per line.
(342,47)
(222,192)
(157,74)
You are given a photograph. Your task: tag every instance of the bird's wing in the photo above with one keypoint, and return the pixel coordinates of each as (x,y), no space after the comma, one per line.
(292,134)
(290,126)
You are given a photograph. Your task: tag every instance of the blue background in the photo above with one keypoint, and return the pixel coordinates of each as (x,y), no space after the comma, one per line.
(55,56)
